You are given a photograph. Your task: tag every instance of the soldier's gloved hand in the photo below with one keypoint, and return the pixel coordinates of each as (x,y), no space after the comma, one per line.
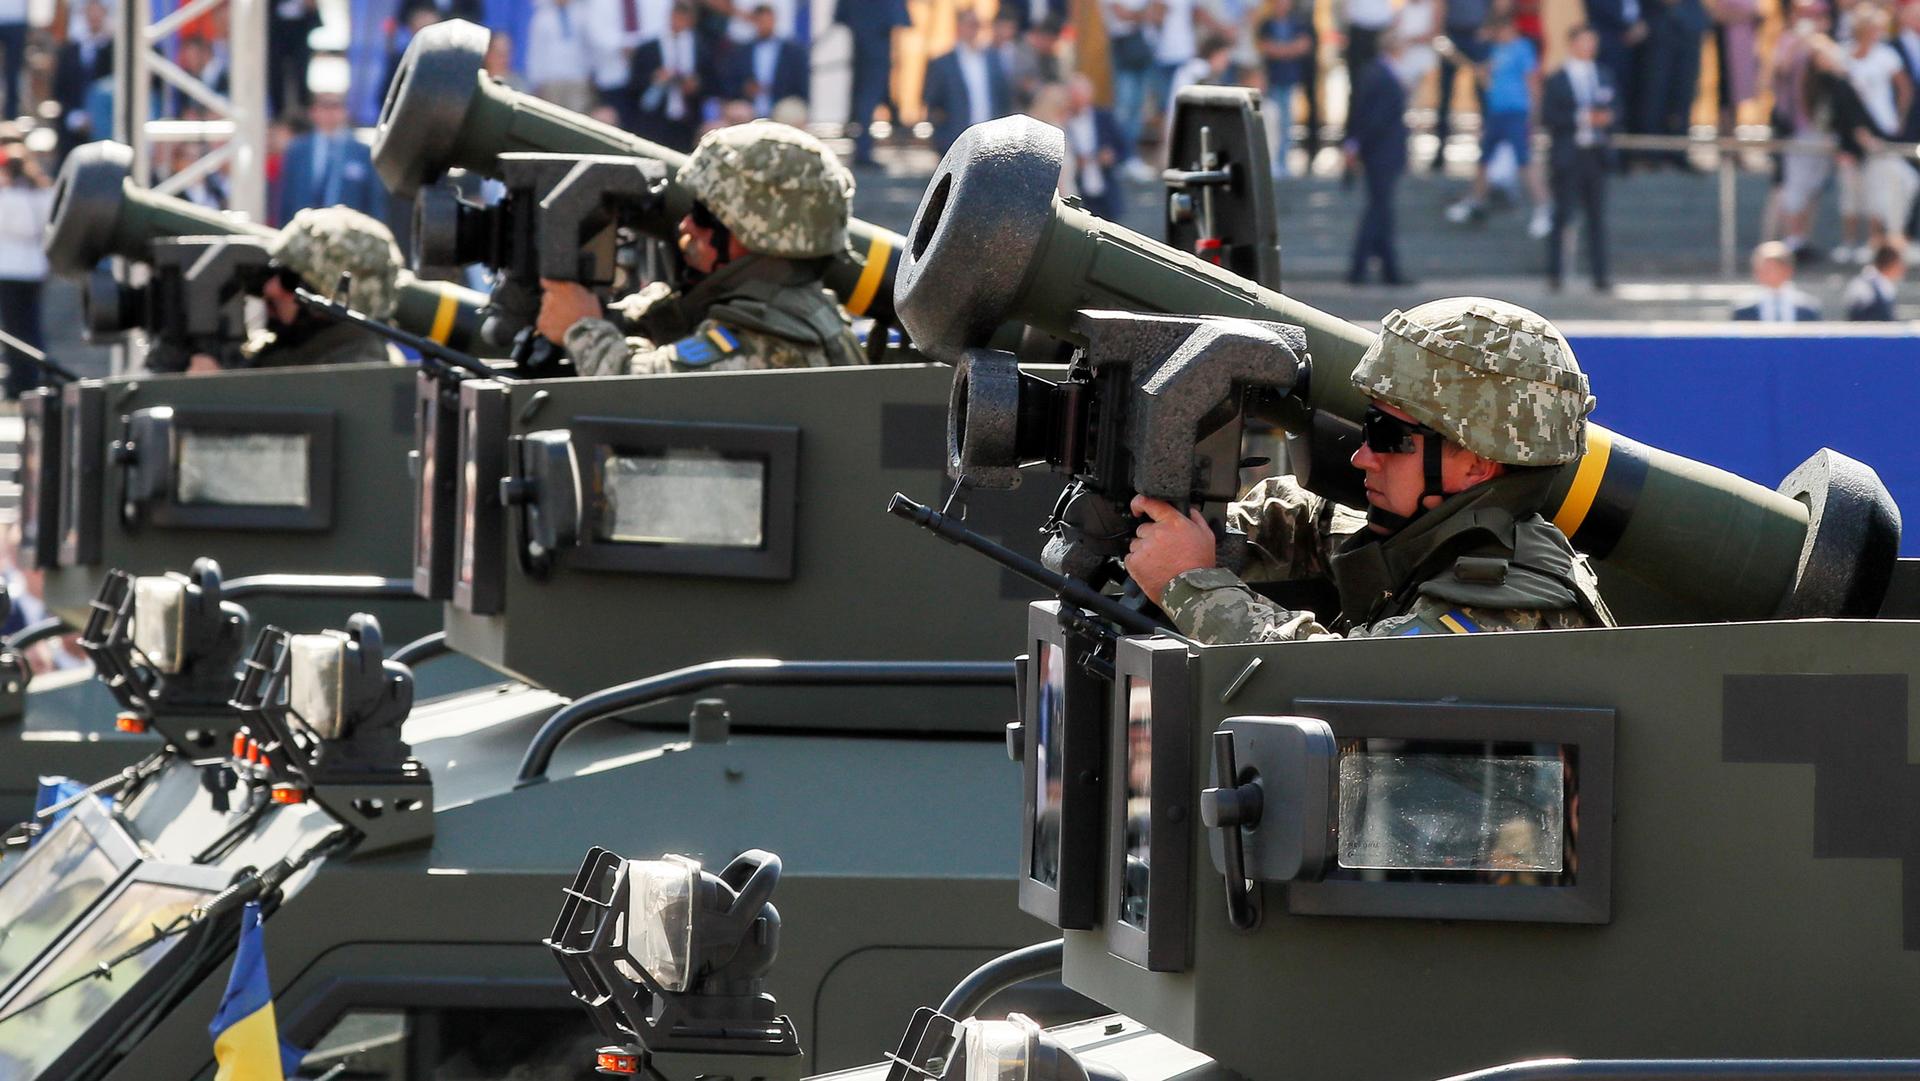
(1166,546)
(563,304)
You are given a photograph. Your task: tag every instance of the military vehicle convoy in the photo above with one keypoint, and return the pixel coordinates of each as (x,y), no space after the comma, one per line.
(616,542)
(1660,850)
(620,545)
(284,476)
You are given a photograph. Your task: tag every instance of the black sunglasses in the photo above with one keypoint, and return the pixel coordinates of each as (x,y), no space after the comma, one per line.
(704,217)
(1388,434)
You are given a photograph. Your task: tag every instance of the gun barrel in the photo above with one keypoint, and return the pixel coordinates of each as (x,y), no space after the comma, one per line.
(98,212)
(38,359)
(426,347)
(443,111)
(1071,589)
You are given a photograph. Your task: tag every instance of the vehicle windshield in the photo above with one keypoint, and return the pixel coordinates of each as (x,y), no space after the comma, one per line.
(34,1037)
(55,882)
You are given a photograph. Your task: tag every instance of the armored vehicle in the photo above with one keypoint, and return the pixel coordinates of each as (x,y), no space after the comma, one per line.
(626,543)
(286,476)
(1497,849)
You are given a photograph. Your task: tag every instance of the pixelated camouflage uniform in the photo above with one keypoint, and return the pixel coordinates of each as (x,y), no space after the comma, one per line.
(785,197)
(1484,559)
(320,244)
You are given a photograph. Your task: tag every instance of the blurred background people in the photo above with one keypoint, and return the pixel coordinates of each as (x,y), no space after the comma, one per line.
(1776,299)
(967,85)
(25,200)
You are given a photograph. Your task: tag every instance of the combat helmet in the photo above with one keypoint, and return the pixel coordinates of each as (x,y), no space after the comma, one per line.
(322,243)
(1494,377)
(779,189)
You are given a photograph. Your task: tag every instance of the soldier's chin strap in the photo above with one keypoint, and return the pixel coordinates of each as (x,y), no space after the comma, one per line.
(1434,445)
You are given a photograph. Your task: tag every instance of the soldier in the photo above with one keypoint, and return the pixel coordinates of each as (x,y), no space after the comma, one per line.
(1473,401)
(770,208)
(314,249)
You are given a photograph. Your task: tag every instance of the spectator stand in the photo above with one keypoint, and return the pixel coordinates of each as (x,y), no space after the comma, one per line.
(232,139)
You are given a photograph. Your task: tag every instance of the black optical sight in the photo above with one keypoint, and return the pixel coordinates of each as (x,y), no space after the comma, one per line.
(194,299)
(564,217)
(1152,404)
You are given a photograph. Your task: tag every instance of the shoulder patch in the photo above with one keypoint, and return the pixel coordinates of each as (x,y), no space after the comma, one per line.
(703,348)
(1456,621)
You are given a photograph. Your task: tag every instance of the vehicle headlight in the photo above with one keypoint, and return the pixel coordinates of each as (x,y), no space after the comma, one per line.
(316,681)
(160,620)
(997,1050)
(660,918)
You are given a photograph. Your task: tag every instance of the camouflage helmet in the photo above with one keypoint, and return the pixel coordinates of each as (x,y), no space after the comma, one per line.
(779,189)
(322,243)
(1493,377)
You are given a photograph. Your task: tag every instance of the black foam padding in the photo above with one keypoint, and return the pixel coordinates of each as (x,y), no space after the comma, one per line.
(1853,539)
(983,420)
(427,103)
(1186,370)
(976,232)
(87,199)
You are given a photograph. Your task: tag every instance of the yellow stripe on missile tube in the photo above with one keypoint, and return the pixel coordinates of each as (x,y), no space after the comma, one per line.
(443,317)
(879,254)
(1586,481)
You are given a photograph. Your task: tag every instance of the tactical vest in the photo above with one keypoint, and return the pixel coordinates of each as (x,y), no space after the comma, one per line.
(1487,547)
(779,297)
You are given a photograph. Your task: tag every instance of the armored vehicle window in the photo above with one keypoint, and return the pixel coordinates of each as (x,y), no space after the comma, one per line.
(243,469)
(1439,808)
(38,1037)
(1139,802)
(55,882)
(456,1045)
(682,496)
(1051,667)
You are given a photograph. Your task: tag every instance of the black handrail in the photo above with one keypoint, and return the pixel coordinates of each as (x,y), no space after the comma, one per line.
(970,995)
(423,648)
(36,632)
(1680,1069)
(750,672)
(319,585)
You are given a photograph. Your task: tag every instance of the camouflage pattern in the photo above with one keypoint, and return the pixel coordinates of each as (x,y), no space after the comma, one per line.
(1493,377)
(1296,534)
(598,348)
(779,189)
(1214,608)
(322,243)
(1291,532)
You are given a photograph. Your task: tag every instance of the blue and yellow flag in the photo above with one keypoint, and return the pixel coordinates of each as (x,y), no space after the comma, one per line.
(246,1040)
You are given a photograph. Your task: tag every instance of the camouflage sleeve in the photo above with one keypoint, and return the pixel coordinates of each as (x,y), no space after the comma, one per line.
(1214,607)
(1431,615)
(599,349)
(1291,530)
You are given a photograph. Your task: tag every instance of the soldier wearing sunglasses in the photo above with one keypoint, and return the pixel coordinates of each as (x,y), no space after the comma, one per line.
(1474,402)
(770,209)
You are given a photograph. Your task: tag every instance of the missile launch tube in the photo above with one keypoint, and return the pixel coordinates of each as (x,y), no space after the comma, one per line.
(992,242)
(99,212)
(443,111)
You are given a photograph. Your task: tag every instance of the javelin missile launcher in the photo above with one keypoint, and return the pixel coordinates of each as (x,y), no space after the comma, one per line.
(1673,540)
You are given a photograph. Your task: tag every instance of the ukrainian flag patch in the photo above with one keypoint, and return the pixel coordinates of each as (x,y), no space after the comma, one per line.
(699,350)
(1457,622)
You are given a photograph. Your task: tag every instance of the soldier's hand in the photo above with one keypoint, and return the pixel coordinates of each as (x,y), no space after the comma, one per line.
(1167,545)
(563,304)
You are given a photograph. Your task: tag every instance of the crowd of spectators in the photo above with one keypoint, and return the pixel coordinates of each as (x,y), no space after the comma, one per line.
(1836,82)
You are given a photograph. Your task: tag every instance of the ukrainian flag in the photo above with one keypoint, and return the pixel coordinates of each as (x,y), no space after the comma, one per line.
(246,1040)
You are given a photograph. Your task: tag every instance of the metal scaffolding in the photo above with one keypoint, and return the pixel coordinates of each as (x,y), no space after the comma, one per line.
(235,135)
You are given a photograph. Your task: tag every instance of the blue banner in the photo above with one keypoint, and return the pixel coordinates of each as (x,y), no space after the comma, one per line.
(1759,406)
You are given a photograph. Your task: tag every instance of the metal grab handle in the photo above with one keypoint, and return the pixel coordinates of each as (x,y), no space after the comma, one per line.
(746,673)
(349,586)
(1227,808)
